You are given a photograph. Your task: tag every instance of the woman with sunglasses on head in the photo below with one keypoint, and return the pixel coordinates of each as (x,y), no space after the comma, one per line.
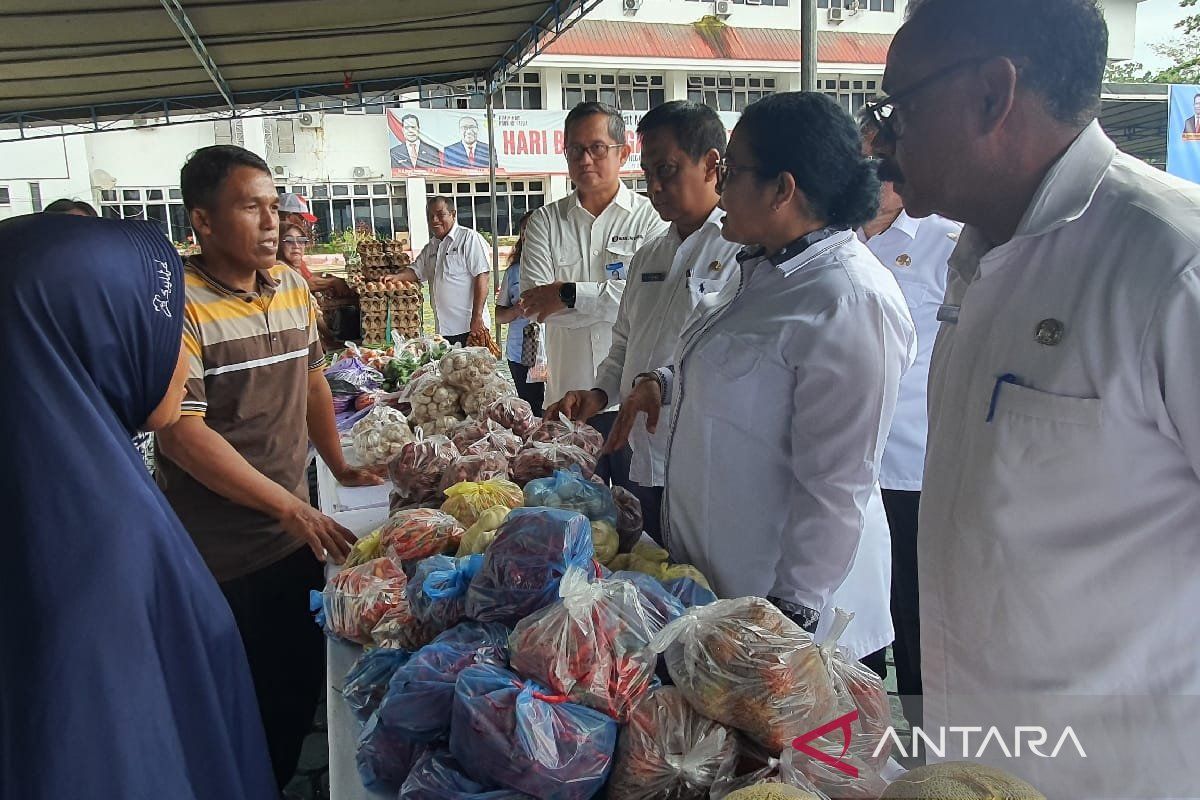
(784,383)
(292,242)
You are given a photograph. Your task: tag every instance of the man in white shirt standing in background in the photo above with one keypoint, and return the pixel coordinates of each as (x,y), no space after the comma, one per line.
(915,251)
(682,143)
(454,264)
(577,253)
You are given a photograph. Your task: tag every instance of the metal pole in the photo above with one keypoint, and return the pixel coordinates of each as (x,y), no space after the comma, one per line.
(491,128)
(808,45)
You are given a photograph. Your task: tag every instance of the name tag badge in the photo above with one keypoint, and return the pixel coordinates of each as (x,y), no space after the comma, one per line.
(615,271)
(948,313)
(653,277)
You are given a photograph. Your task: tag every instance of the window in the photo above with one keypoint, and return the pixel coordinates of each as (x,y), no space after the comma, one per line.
(228,131)
(851,91)
(158,204)
(626,91)
(380,208)
(473,202)
(523,90)
(728,91)
(35,195)
(635,184)
(860,5)
(5,200)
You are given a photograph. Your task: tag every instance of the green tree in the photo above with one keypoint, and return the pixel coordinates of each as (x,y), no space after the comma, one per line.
(1183,53)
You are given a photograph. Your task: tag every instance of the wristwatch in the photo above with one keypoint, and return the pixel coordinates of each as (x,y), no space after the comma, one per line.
(807,618)
(566,293)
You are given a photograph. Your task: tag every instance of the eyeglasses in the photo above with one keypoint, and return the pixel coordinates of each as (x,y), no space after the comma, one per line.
(883,111)
(725,171)
(660,172)
(295,240)
(597,150)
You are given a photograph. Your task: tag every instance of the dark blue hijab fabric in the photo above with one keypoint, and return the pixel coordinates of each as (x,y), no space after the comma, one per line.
(122,675)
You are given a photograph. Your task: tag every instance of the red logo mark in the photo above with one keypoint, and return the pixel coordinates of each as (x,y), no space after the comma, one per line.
(842,723)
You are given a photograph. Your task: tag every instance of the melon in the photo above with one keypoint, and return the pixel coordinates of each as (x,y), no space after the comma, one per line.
(771,791)
(960,780)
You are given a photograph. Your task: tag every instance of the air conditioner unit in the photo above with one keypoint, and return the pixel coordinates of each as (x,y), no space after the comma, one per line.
(362,172)
(279,171)
(631,6)
(309,120)
(852,6)
(837,15)
(140,122)
(723,8)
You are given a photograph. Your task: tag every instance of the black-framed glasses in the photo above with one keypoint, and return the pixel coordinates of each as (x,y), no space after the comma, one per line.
(295,240)
(597,150)
(662,173)
(725,171)
(883,111)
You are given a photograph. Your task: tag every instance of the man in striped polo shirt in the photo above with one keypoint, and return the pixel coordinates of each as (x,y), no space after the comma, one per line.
(233,467)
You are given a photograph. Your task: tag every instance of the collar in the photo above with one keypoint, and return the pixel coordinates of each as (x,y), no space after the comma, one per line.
(622,199)
(801,251)
(450,234)
(1069,186)
(714,218)
(263,278)
(903,222)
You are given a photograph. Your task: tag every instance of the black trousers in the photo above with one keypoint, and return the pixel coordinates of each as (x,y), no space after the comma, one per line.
(902,509)
(532,393)
(458,338)
(613,467)
(286,651)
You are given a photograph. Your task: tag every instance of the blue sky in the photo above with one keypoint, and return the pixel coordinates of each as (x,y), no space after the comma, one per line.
(1155,23)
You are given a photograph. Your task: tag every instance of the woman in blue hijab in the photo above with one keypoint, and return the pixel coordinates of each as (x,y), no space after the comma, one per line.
(122,674)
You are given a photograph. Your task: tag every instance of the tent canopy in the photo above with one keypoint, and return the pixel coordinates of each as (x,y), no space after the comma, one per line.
(86,61)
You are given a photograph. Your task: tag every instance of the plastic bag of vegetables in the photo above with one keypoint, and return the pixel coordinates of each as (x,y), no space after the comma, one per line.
(480,536)
(355,599)
(570,490)
(367,680)
(384,757)
(522,568)
(364,550)
(437,592)
(512,413)
(432,398)
(468,368)
(474,469)
(629,517)
(466,501)
(417,471)
(540,460)
(592,645)
(564,431)
(380,435)
(419,697)
(743,663)
(604,541)
(496,440)
(667,751)
(510,732)
(437,776)
(496,387)
(438,427)
(659,605)
(467,432)
(398,629)
(415,533)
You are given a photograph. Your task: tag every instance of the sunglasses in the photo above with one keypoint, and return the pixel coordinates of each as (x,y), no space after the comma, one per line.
(295,240)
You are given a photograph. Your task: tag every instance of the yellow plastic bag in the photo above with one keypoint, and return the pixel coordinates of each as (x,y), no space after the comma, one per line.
(480,535)
(674,571)
(365,549)
(467,500)
(604,541)
(650,559)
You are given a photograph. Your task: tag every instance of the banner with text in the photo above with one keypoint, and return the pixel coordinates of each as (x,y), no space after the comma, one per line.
(1183,132)
(427,141)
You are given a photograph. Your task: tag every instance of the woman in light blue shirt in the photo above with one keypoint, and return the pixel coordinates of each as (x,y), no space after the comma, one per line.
(508,312)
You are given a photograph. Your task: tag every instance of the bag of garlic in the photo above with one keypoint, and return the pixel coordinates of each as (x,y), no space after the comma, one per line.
(469,368)
(380,435)
(496,387)
(432,399)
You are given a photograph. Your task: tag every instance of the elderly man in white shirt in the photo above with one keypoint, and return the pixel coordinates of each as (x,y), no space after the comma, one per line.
(682,143)
(454,264)
(915,250)
(577,255)
(1060,514)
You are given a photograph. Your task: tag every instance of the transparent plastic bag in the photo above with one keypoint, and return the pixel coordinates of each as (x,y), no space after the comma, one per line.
(512,413)
(743,663)
(570,490)
(380,435)
(417,471)
(689,592)
(398,629)
(414,533)
(384,757)
(468,368)
(566,431)
(367,681)
(466,501)
(437,776)
(364,550)
(437,592)
(778,779)
(496,387)
(667,751)
(438,427)
(498,440)
(510,732)
(541,460)
(480,536)
(420,696)
(467,432)
(355,599)
(522,568)
(431,397)
(592,645)
(630,523)
(474,468)
(658,604)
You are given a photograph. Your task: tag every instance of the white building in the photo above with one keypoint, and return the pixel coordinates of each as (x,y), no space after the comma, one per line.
(633,54)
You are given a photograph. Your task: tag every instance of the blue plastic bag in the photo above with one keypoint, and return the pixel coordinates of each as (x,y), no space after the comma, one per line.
(477,634)
(509,732)
(420,695)
(523,566)
(437,592)
(690,593)
(438,776)
(367,681)
(568,489)
(384,757)
(659,605)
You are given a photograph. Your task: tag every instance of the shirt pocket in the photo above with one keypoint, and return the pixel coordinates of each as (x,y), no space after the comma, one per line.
(618,253)
(916,294)
(456,263)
